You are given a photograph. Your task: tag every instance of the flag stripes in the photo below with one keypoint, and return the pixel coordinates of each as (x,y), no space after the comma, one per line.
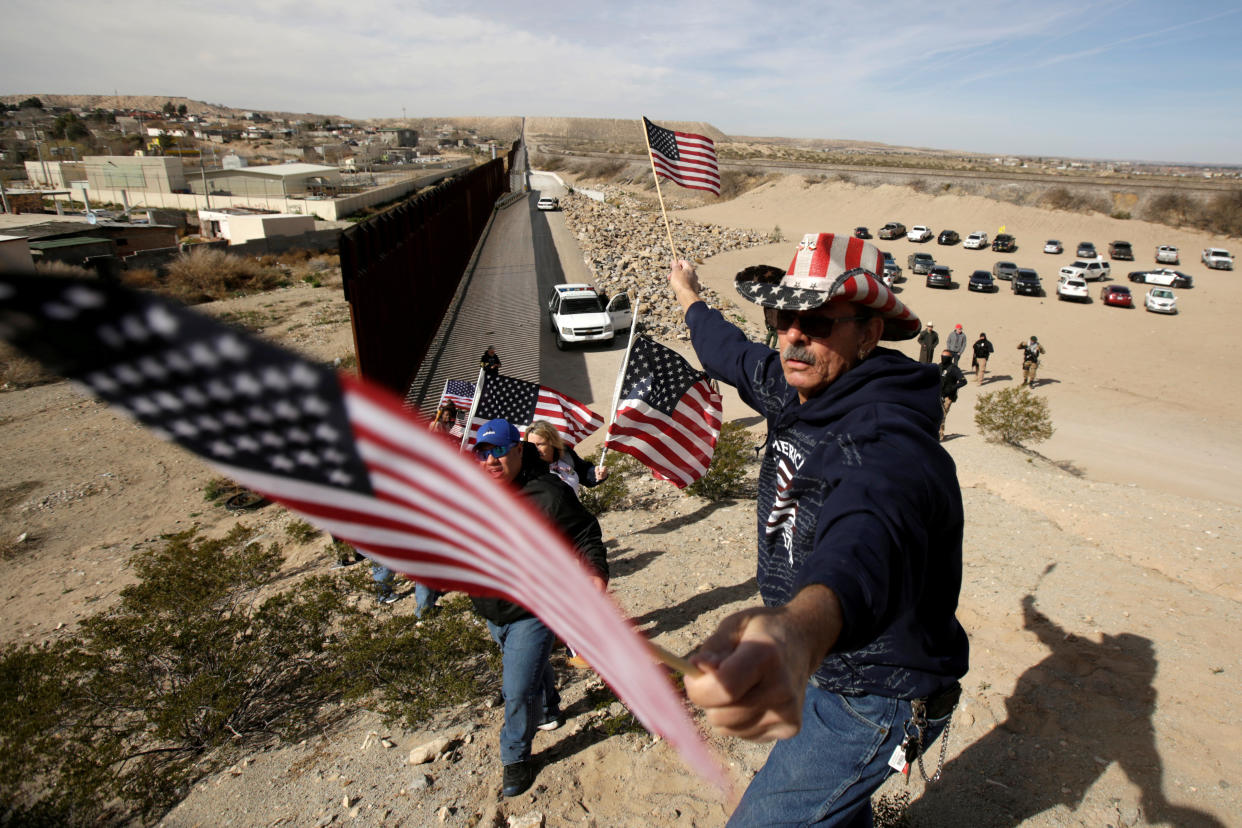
(684,157)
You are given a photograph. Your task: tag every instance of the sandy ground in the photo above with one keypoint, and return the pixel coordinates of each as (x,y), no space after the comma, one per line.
(1102,586)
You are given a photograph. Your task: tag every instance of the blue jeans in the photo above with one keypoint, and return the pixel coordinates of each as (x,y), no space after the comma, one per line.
(529,684)
(382,576)
(825,775)
(424,598)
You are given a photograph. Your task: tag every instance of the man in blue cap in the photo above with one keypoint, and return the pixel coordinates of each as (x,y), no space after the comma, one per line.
(529,684)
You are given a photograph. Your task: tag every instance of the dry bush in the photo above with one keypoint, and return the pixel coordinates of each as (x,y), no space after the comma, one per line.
(735,182)
(552,163)
(205,274)
(919,185)
(1062,198)
(20,371)
(55,268)
(141,278)
(296,256)
(1172,208)
(1223,214)
(603,169)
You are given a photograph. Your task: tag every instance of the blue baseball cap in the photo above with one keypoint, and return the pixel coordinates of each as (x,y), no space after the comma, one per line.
(499,432)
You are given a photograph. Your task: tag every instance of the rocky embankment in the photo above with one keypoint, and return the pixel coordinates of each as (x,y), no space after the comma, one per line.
(626,247)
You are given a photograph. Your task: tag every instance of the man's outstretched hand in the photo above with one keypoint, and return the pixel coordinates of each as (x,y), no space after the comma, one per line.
(757,663)
(685,283)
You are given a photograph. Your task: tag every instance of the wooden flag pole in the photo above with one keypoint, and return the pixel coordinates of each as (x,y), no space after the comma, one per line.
(616,391)
(674,662)
(474,406)
(667,229)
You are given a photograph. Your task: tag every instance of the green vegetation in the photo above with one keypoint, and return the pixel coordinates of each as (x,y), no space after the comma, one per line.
(218,489)
(615,490)
(299,531)
(201,661)
(724,477)
(1014,416)
(206,274)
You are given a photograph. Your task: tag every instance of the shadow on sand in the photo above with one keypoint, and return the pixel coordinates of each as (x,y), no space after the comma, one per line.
(1083,707)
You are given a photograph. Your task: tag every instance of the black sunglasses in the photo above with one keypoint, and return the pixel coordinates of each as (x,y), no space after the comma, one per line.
(814,327)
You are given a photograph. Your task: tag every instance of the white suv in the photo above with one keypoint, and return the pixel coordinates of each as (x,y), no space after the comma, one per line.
(1072,287)
(548,203)
(576,313)
(1088,269)
(1217,259)
(976,241)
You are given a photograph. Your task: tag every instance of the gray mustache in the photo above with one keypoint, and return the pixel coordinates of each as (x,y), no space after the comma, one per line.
(798,353)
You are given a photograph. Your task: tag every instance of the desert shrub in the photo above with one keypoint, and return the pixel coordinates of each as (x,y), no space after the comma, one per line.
(919,185)
(603,169)
(141,278)
(613,492)
(776,236)
(735,182)
(190,665)
(1172,208)
(1014,416)
(734,449)
(1223,214)
(219,488)
(410,669)
(55,268)
(299,531)
(1124,215)
(205,274)
(20,371)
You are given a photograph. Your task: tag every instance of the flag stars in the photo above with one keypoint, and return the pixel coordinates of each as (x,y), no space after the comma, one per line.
(202,355)
(152,368)
(259,414)
(297,435)
(303,375)
(133,328)
(315,406)
(247,384)
(283,463)
(232,348)
(271,439)
(193,396)
(184,428)
(340,478)
(233,419)
(326,433)
(102,383)
(221,449)
(111,337)
(168,401)
(177,362)
(307,458)
(162,321)
(285,410)
(245,442)
(56,310)
(126,374)
(217,390)
(275,379)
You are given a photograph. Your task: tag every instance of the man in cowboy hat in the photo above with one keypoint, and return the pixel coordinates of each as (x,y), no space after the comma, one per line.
(853,663)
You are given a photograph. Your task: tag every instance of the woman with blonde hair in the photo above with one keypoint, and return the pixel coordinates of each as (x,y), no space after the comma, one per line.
(561,459)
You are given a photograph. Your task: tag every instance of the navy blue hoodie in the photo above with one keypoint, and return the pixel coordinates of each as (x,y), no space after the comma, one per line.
(856,493)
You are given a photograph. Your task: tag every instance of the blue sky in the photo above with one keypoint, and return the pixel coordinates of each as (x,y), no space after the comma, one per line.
(1127,79)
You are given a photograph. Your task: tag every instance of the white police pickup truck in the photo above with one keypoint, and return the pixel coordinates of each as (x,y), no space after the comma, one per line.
(577,313)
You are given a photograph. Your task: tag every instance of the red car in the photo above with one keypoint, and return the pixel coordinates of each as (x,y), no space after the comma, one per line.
(1118,295)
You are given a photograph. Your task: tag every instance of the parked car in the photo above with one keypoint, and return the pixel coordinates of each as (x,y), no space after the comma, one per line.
(892,230)
(1026,283)
(1086,250)
(577,315)
(1167,254)
(548,203)
(982,282)
(862,233)
(1004,243)
(940,276)
(1117,295)
(1072,287)
(1121,251)
(948,237)
(1217,259)
(919,233)
(1163,276)
(1160,300)
(1092,271)
(891,267)
(1053,246)
(976,241)
(1004,270)
(920,262)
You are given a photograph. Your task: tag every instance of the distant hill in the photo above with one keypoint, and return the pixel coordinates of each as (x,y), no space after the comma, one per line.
(154,103)
(611,130)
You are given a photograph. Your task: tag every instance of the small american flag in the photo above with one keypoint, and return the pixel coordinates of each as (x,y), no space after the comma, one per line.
(521,403)
(461,394)
(345,455)
(684,158)
(668,415)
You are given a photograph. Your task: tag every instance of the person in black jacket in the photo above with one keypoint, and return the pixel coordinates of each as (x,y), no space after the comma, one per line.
(951,379)
(529,684)
(489,362)
(983,350)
